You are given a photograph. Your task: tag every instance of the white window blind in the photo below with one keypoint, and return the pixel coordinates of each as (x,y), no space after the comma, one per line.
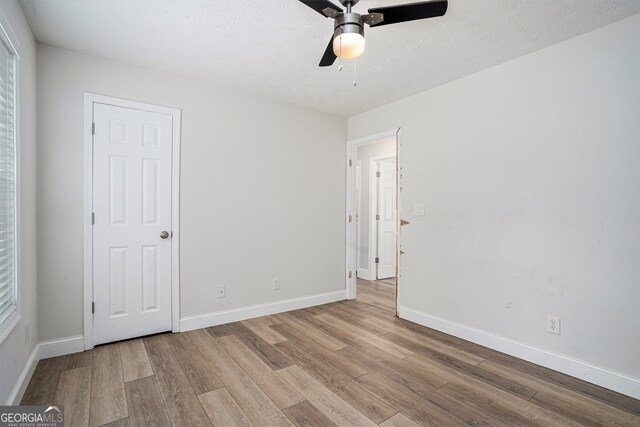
(8,289)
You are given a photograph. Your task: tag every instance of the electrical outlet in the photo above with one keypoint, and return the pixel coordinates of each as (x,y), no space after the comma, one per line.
(418,209)
(276,284)
(26,333)
(553,325)
(222,291)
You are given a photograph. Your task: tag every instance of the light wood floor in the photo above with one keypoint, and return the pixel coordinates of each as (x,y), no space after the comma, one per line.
(350,363)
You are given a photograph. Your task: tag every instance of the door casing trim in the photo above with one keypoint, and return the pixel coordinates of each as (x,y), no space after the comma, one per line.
(89,100)
(350,208)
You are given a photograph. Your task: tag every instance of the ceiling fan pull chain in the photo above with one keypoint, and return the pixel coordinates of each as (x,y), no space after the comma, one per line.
(355,72)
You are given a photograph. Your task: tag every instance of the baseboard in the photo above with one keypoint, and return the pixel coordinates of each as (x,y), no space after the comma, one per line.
(23,379)
(212,319)
(576,368)
(61,347)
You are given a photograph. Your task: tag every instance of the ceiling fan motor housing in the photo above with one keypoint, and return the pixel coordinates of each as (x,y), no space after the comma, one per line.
(349,23)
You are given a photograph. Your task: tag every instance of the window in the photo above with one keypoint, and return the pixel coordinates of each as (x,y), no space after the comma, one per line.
(8,189)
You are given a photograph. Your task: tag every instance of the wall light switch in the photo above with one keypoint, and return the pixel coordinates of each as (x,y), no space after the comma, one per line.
(418,209)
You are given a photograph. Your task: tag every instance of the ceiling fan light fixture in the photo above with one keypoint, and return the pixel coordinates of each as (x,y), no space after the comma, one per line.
(348,45)
(348,41)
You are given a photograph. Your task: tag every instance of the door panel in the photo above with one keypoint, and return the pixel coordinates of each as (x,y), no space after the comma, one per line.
(132,206)
(386,244)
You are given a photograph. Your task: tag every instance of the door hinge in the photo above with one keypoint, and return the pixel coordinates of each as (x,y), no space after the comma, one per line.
(377,217)
(377,260)
(350,274)
(93,307)
(93,128)
(93,218)
(377,174)
(350,163)
(350,218)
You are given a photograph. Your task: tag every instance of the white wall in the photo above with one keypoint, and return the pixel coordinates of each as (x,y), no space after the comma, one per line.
(15,350)
(530,172)
(262,190)
(365,153)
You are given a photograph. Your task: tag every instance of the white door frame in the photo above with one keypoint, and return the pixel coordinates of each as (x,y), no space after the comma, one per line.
(89,100)
(373,207)
(351,206)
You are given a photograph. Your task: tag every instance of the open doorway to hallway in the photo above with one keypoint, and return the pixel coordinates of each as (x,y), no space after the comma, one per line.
(376,222)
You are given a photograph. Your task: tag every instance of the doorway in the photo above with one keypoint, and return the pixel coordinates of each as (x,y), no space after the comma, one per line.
(132,201)
(372,232)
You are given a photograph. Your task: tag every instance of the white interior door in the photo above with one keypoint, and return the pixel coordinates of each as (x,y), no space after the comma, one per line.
(386,219)
(132,207)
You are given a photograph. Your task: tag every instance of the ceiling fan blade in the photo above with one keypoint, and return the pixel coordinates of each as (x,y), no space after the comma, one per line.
(410,12)
(329,57)
(320,6)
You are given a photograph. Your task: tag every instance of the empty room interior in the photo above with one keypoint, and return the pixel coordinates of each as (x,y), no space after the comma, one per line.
(319,212)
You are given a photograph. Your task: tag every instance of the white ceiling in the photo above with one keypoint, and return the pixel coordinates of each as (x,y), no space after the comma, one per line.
(272,47)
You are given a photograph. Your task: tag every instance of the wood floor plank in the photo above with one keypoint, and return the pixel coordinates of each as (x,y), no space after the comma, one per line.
(323,372)
(383,294)
(195,367)
(108,399)
(479,394)
(281,393)
(365,336)
(333,359)
(258,407)
(72,394)
(268,320)
(344,313)
(83,359)
(311,332)
(146,407)
(550,396)
(263,331)
(559,379)
(406,401)
(430,333)
(221,330)
(333,407)
(403,371)
(268,353)
(181,403)
(412,379)
(43,385)
(376,302)
(453,369)
(400,420)
(366,310)
(223,410)
(370,406)
(335,372)
(344,336)
(123,422)
(425,341)
(135,363)
(304,414)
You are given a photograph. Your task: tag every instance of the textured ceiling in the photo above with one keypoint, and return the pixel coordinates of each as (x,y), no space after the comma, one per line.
(272,47)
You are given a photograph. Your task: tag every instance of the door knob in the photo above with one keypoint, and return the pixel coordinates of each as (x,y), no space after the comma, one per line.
(164,234)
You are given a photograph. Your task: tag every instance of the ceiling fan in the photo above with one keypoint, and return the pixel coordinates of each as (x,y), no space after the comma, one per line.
(348,41)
